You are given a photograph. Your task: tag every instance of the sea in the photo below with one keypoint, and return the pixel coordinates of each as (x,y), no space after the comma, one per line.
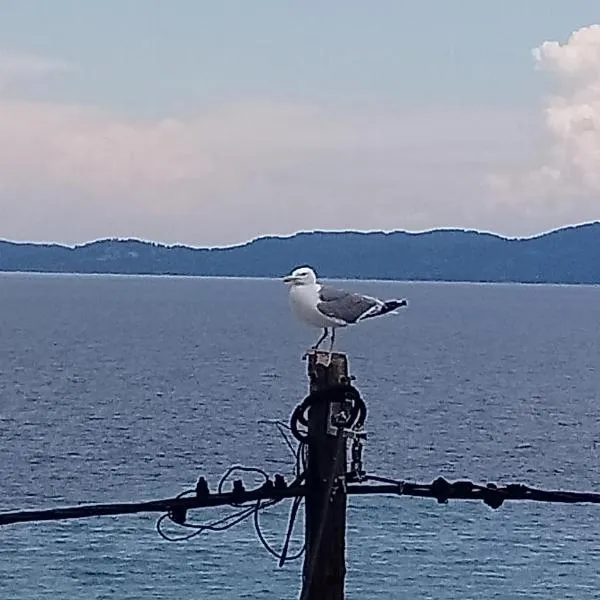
(123,389)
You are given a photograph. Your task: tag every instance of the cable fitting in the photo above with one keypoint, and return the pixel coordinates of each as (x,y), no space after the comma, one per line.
(440,489)
(178,515)
(280,483)
(492,496)
(238,492)
(202,490)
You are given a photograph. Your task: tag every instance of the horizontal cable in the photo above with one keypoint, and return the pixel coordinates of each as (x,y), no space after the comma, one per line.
(440,489)
(169,505)
(492,494)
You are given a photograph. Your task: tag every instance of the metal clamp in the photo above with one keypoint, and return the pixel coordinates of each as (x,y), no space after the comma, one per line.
(357,472)
(339,484)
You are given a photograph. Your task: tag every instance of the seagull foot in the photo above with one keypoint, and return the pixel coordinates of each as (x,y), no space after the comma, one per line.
(323,357)
(325,360)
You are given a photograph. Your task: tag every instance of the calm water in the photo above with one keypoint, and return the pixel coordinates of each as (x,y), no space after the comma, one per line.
(115,388)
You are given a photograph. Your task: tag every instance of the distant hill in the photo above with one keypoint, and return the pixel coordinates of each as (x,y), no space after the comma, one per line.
(569,255)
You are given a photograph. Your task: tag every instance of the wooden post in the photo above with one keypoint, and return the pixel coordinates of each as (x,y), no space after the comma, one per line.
(325,523)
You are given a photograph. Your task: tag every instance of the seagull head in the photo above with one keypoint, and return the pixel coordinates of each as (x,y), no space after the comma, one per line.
(301,276)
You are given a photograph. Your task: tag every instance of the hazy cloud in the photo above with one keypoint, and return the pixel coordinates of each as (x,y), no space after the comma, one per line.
(231,172)
(239,171)
(18,68)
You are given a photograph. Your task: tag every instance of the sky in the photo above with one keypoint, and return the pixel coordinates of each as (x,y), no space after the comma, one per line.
(211,123)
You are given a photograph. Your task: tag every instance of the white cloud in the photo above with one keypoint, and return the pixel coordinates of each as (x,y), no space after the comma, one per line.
(565,183)
(578,57)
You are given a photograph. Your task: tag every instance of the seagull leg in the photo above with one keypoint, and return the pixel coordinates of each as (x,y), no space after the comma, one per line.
(332,340)
(315,347)
(325,333)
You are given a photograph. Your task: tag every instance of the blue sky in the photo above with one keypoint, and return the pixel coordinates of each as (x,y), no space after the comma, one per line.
(211,123)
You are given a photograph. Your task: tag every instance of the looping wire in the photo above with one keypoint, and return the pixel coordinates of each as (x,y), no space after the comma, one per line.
(345,394)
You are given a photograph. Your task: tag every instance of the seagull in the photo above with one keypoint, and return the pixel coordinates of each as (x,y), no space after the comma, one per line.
(328,308)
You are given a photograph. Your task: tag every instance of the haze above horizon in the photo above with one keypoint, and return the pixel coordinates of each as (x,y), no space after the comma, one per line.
(208,125)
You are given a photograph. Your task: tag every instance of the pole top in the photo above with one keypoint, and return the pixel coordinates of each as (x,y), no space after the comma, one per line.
(327,368)
(322,357)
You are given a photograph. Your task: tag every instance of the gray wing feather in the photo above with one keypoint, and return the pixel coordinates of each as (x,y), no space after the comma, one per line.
(343,305)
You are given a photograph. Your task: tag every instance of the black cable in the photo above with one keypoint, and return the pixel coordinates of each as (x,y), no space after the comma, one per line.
(382,479)
(264,492)
(281,556)
(231,520)
(491,494)
(169,538)
(339,393)
(440,489)
(242,468)
(281,426)
(222,524)
(185,493)
(289,444)
(292,520)
(300,458)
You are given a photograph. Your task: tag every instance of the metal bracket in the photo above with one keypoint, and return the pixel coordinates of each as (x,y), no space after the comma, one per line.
(339,484)
(353,434)
(357,472)
(336,417)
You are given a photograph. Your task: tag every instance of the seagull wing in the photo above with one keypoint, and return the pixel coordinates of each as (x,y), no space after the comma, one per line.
(345,307)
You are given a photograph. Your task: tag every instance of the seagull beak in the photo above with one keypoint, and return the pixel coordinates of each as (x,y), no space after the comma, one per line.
(289,279)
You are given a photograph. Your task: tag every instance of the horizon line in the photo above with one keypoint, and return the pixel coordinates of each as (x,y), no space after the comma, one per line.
(297,233)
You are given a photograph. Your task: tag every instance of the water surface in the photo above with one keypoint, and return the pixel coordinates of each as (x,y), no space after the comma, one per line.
(129,388)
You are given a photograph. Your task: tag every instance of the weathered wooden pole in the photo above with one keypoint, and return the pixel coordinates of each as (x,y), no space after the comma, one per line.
(325,523)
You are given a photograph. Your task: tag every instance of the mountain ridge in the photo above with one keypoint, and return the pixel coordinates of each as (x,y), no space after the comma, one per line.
(566,255)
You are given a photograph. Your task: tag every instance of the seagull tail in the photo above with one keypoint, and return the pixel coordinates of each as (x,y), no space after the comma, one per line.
(389,306)
(392,305)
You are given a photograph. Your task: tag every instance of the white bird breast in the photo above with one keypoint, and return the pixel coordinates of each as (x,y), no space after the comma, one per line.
(303,301)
